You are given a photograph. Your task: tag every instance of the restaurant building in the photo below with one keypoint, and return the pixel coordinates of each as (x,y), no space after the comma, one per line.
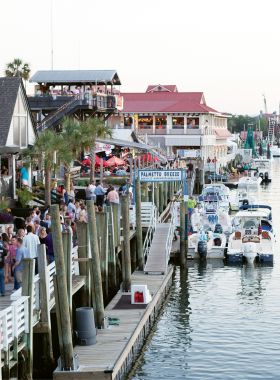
(181,122)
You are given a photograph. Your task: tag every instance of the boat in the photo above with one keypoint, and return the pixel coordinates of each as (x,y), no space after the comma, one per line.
(206,245)
(218,189)
(241,198)
(275,151)
(266,222)
(250,181)
(264,166)
(250,241)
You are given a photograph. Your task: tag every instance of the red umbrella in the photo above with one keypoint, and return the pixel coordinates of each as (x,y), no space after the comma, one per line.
(149,157)
(87,161)
(114,161)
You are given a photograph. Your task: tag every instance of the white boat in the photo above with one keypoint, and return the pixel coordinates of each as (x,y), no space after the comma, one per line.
(275,151)
(241,198)
(264,166)
(250,242)
(206,245)
(251,181)
(219,190)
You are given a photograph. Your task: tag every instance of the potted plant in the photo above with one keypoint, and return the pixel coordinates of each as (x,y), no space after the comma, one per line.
(24,197)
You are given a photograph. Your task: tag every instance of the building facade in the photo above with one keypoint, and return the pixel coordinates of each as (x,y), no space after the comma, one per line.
(181,122)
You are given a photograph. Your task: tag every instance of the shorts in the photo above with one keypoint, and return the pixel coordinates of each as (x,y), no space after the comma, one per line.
(190,211)
(19,276)
(24,182)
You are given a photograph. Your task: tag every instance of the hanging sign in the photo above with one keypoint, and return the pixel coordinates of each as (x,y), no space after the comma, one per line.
(160,175)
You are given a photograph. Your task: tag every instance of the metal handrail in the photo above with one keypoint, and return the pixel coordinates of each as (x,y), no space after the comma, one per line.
(150,232)
(170,235)
(146,139)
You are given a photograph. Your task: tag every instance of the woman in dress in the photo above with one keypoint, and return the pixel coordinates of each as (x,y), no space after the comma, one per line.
(43,235)
(6,243)
(10,232)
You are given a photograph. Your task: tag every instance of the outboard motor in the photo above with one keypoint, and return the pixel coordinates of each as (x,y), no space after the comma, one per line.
(202,249)
(261,175)
(266,176)
(218,228)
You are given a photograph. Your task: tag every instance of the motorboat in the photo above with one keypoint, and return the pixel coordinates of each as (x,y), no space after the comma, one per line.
(250,241)
(218,190)
(264,166)
(206,245)
(241,198)
(275,151)
(250,181)
(266,222)
(213,202)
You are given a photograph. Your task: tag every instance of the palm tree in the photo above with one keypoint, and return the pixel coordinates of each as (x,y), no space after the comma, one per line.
(97,129)
(18,69)
(77,136)
(42,152)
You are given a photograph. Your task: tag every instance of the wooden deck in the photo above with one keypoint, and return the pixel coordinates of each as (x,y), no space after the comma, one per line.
(114,344)
(156,263)
(5,301)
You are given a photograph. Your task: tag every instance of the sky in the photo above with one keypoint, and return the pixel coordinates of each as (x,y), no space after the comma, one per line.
(226,48)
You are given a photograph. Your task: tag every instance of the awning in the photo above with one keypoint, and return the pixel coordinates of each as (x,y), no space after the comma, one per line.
(126,144)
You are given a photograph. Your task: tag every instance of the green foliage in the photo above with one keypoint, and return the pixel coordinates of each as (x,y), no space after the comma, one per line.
(18,69)
(24,196)
(86,182)
(236,123)
(116,181)
(4,204)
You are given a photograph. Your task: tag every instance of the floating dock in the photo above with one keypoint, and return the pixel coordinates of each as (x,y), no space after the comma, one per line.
(117,347)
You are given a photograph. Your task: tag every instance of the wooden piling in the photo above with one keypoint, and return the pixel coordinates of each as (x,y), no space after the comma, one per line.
(28,268)
(160,197)
(156,189)
(111,249)
(96,271)
(67,248)
(62,288)
(139,224)
(102,235)
(182,234)
(44,302)
(146,191)
(83,253)
(116,221)
(126,241)
(133,250)
(165,194)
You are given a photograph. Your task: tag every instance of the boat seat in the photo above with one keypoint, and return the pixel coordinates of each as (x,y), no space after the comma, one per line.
(253,239)
(237,235)
(265,235)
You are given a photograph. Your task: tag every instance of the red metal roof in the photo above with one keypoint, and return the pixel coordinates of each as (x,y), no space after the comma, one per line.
(165,102)
(224,133)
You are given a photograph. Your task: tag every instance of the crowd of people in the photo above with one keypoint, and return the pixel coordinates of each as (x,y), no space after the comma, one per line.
(41,91)
(108,196)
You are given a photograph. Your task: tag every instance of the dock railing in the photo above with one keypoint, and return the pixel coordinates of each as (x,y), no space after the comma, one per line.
(151,229)
(170,235)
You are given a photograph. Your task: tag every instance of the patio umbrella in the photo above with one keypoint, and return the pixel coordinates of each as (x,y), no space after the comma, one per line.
(260,150)
(149,157)
(114,161)
(87,161)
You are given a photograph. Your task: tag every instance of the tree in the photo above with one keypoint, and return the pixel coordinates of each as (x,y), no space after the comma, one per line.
(77,136)
(42,152)
(97,129)
(18,69)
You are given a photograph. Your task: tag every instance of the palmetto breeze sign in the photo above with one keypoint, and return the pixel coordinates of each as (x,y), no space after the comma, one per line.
(160,175)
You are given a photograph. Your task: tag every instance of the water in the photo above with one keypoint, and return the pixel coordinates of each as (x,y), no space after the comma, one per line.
(221,321)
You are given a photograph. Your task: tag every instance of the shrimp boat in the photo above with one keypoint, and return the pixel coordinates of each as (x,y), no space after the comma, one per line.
(207,245)
(251,242)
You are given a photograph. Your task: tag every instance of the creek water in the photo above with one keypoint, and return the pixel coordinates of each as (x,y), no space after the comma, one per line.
(220,321)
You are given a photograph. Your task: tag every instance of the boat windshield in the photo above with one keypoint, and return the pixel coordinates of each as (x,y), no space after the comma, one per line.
(251,223)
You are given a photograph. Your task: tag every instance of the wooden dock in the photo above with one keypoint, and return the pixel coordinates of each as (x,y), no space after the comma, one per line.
(118,346)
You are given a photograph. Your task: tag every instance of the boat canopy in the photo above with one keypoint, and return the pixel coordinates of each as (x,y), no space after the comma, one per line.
(209,198)
(251,214)
(254,207)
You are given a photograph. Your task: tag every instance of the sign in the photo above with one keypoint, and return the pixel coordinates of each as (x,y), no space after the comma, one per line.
(186,198)
(119,103)
(189,153)
(103,147)
(170,158)
(160,175)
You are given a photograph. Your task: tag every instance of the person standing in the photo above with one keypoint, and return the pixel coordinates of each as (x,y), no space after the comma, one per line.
(24,177)
(99,192)
(88,192)
(192,203)
(6,243)
(93,187)
(22,253)
(71,206)
(190,167)
(3,254)
(37,227)
(113,196)
(30,242)
(13,251)
(49,246)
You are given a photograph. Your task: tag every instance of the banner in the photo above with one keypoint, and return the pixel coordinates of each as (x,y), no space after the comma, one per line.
(189,153)
(160,175)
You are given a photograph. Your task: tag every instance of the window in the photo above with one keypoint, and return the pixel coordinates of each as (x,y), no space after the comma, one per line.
(128,121)
(161,122)
(178,123)
(145,122)
(251,223)
(193,122)
(23,131)
(16,130)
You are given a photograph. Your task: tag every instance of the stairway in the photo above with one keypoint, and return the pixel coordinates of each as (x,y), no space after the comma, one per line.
(157,262)
(161,153)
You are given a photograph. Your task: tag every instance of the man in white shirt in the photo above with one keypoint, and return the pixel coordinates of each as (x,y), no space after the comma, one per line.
(71,206)
(92,188)
(30,241)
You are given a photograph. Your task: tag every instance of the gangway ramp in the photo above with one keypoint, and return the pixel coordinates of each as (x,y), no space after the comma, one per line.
(157,261)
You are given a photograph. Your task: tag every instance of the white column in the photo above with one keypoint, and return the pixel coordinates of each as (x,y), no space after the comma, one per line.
(29,172)
(154,124)
(133,123)
(14,175)
(201,120)
(185,124)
